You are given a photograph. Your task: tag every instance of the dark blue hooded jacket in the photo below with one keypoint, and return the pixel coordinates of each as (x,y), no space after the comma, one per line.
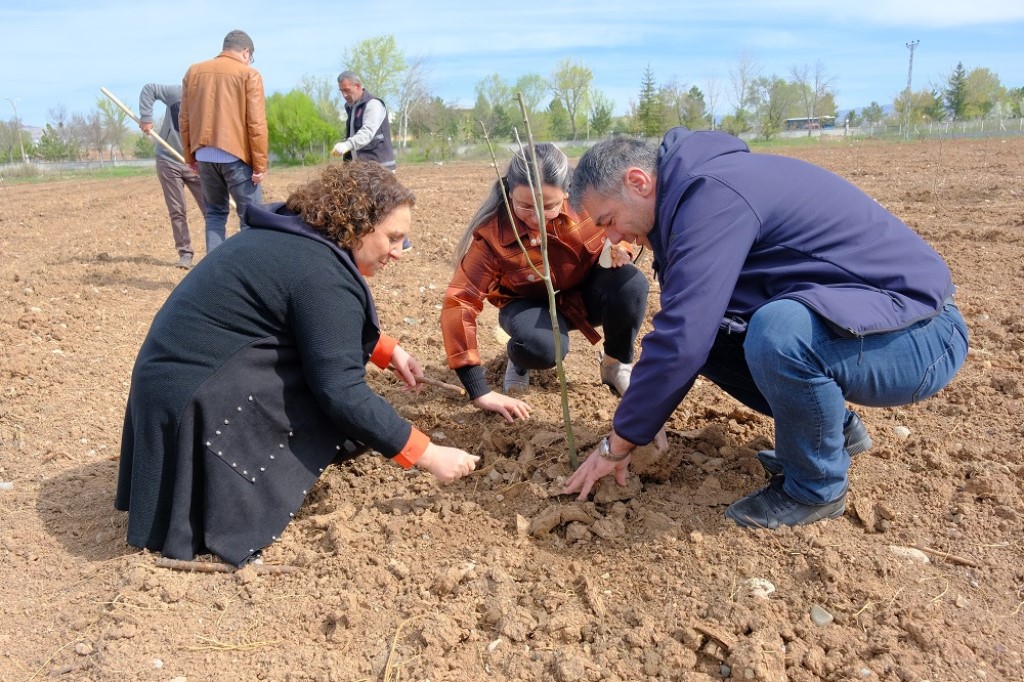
(734,231)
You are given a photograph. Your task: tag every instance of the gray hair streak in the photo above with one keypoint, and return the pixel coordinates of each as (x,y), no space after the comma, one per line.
(554,172)
(349,76)
(603,167)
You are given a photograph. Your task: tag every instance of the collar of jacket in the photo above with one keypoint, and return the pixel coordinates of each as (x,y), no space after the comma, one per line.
(234,55)
(277,216)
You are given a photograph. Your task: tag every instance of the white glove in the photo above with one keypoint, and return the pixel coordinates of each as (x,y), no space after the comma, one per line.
(340,149)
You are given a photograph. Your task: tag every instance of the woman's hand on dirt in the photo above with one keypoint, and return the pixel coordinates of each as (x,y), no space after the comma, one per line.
(447,464)
(596,467)
(406,367)
(508,407)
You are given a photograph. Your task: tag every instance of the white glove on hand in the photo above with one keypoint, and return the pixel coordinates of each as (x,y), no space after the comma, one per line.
(339,149)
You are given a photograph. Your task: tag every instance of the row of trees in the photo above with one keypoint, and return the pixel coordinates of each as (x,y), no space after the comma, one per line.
(563,105)
(102,132)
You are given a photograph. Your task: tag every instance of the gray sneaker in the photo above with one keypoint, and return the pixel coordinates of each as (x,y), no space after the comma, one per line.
(184,262)
(773,507)
(516,378)
(855,438)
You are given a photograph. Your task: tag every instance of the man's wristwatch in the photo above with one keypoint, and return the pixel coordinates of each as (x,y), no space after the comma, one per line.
(604,450)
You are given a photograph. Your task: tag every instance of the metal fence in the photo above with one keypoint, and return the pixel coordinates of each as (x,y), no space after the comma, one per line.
(978,128)
(42,168)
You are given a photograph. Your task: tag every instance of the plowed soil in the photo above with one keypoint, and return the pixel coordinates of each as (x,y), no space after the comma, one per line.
(497,576)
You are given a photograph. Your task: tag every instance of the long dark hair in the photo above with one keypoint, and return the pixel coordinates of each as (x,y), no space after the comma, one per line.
(554,171)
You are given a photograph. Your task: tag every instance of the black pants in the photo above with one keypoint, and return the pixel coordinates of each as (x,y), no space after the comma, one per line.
(616,300)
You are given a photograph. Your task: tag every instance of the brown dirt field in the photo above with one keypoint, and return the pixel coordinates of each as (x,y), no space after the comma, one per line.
(496,576)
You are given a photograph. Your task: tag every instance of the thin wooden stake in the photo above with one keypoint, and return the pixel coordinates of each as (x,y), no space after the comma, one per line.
(946,556)
(440,384)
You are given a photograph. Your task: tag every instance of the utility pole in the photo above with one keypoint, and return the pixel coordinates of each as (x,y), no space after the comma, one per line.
(17,129)
(910,73)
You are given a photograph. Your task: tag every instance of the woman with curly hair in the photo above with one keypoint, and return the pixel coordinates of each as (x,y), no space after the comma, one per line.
(252,379)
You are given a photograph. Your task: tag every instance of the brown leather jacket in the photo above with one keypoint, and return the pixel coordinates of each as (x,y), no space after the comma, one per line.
(495,269)
(222,106)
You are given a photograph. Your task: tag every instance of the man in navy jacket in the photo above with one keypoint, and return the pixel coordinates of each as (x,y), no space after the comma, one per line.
(786,286)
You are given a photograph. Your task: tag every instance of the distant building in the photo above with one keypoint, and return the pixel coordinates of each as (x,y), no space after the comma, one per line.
(812,123)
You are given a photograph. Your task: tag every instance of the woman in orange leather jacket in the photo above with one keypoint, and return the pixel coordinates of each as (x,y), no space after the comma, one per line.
(491,266)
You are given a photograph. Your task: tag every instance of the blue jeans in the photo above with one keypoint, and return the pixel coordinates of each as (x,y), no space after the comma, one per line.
(790,365)
(221,180)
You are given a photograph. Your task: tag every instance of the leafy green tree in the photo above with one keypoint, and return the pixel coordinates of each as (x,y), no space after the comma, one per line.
(955,92)
(494,115)
(673,97)
(534,90)
(143,147)
(570,84)
(1015,102)
(693,111)
(495,90)
(649,107)
(827,105)
(925,107)
(853,119)
(52,146)
(438,127)
(379,64)
(736,123)
(778,99)
(113,120)
(295,131)
(330,105)
(984,92)
(873,113)
(931,106)
(69,130)
(482,111)
(559,125)
(601,110)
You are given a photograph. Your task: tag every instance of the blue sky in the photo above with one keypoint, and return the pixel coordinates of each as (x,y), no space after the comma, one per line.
(61,52)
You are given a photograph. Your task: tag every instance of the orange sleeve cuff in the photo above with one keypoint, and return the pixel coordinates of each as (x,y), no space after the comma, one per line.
(413,450)
(381,355)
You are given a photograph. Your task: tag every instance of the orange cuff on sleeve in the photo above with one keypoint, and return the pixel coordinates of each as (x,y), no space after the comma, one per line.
(413,450)
(381,355)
